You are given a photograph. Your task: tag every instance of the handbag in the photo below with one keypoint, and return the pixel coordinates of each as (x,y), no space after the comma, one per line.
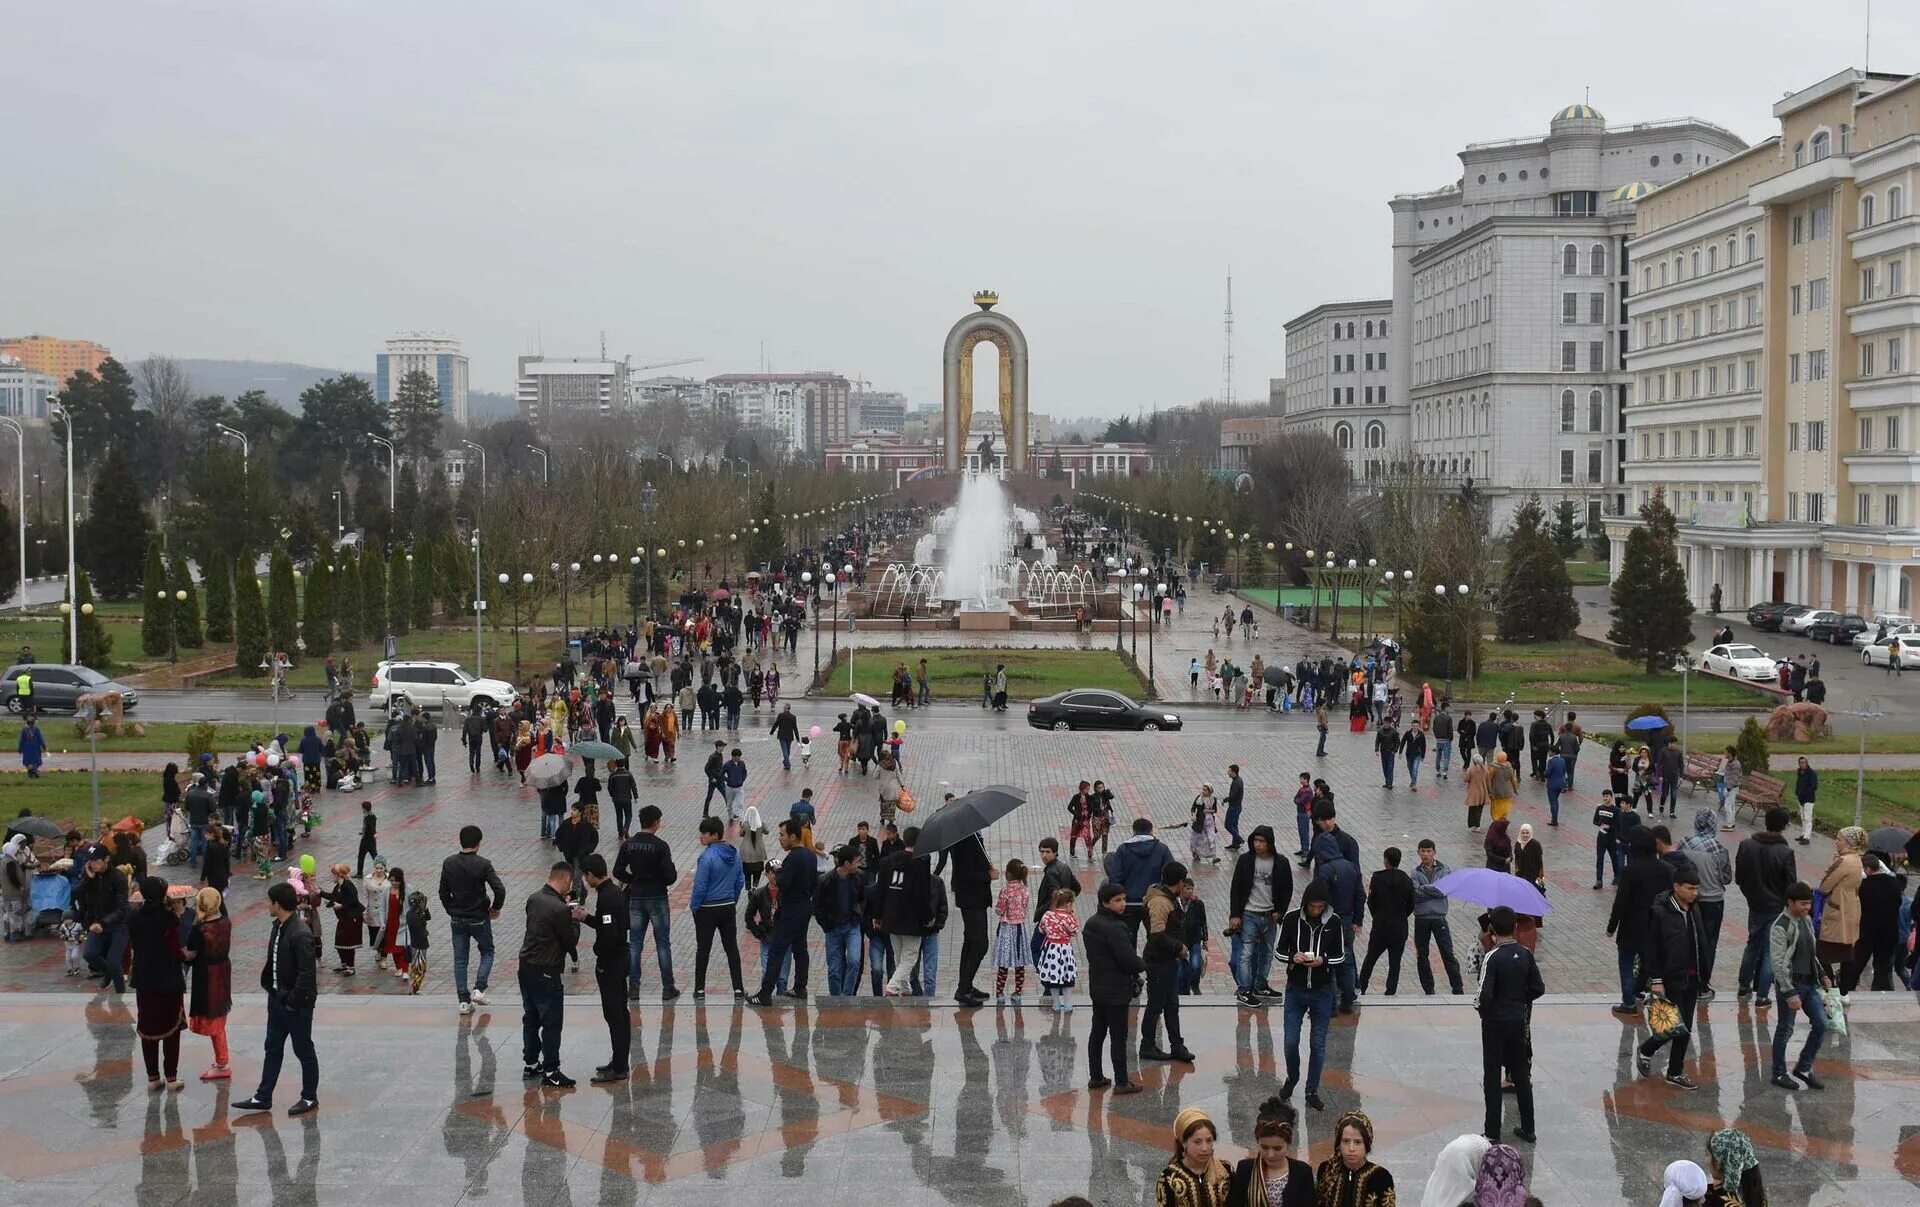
(907,803)
(1663,1018)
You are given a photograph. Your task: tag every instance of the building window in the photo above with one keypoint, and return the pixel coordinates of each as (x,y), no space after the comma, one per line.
(1693,383)
(1863,508)
(1793,366)
(1569,308)
(1793,437)
(1596,356)
(1753,310)
(1822,223)
(1566,467)
(1793,505)
(1799,155)
(1369,330)
(1866,360)
(1896,278)
(1867,275)
(1693,442)
(1793,299)
(1663,328)
(1570,260)
(1596,412)
(1796,230)
(1646,443)
(1896,203)
(1569,356)
(1713,259)
(1816,508)
(1820,147)
(1893,355)
(1566,410)
(1817,365)
(1866,434)
(1748,439)
(1816,435)
(1663,272)
(1713,440)
(1342,436)
(1752,244)
(1596,308)
(1376,435)
(1866,209)
(1750,375)
(1893,432)
(1817,294)
(1594,464)
(1695,262)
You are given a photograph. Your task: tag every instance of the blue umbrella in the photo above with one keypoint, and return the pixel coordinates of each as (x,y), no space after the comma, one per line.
(1491,888)
(1644,723)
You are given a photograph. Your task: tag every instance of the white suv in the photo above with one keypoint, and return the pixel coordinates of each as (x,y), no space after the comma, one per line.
(425,684)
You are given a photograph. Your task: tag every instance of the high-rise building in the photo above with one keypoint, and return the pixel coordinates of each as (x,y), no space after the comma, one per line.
(57,358)
(1239,437)
(24,393)
(438,356)
(1773,328)
(1337,376)
(877,411)
(809,409)
(552,388)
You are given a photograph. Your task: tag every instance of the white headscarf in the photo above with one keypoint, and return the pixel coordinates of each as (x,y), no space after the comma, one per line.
(1455,1171)
(1683,1180)
(14,844)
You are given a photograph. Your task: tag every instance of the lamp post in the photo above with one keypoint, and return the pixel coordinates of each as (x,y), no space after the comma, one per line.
(1161,590)
(1868,712)
(565,572)
(339,520)
(479,604)
(542,454)
(1440,594)
(634,564)
(483,467)
(1119,594)
(813,605)
(246,447)
(73,629)
(393,465)
(20,469)
(1139,591)
(833,582)
(169,600)
(1313,587)
(596,561)
(1683,664)
(846,573)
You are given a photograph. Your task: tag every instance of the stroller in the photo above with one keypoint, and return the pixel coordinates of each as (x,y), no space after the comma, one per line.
(50,895)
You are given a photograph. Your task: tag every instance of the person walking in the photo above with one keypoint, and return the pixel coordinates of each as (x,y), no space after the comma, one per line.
(1503,782)
(645,865)
(799,875)
(716,772)
(1112,969)
(1556,772)
(1260,893)
(608,917)
(1673,947)
(1413,748)
(1806,785)
(1476,784)
(1310,942)
(1646,879)
(1763,870)
(1236,801)
(1165,951)
(1539,743)
(1320,724)
(1798,972)
(1726,782)
(289,979)
(552,930)
(1509,985)
(786,731)
(910,908)
(734,774)
(1386,744)
(1612,818)
(1390,902)
(472,896)
(1430,920)
(1714,866)
(622,789)
(718,881)
(1443,731)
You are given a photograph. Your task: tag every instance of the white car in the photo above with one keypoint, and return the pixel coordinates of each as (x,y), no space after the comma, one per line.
(1907,652)
(425,684)
(1739,662)
(1862,640)
(1798,624)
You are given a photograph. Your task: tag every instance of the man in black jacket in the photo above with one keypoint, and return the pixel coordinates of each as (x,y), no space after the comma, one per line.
(973,875)
(1646,877)
(1539,743)
(1673,960)
(839,903)
(1112,966)
(100,905)
(716,777)
(472,895)
(289,981)
(1236,800)
(473,735)
(1509,985)
(553,930)
(608,917)
(1311,943)
(1165,953)
(1390,901)
(798,877)
(1261,891)
(906,885)
(645,866)
(1763,868)
(199,808)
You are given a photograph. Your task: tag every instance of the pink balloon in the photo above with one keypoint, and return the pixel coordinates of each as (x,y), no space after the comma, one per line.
(293,760)
(814,732)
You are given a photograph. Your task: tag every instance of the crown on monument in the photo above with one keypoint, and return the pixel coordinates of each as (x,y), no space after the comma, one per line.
(986,299)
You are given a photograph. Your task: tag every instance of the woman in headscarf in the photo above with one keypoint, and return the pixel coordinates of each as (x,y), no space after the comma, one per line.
(153,939)
(1476,782)
(16,887)
(1617,770)
(1272,1177)
(1349,1178)
(1529,858)
(208,946)
(1455,1171)
(1498,845)
(1736,1171)
(1683,1185)
(1840,915)
(1502,782)
(1194,1177)
(1503,1179)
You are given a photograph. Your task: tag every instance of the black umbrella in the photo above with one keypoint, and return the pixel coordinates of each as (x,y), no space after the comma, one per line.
(1277,675)
(1889,840)
(968,815)
(35,827)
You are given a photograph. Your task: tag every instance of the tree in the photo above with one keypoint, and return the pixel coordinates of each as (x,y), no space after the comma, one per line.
(102,409)
(424,573)
(370,510)
(249,623)
(156,603)
(283,602)
(9,550)
(406,502)
(318,630)
(186,613)
(335,417)
(167,392)
(96,644)
(373,593)
(218,579)
(346,599)
(1566,528)
(114,538)
(770,544)
(1536,598)
(1652,616)
(399,591)
(416,415)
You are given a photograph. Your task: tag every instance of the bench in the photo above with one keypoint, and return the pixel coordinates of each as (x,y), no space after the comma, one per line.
(1758,792)
(1701,770)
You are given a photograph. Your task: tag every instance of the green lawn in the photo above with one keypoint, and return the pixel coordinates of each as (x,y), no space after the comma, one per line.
(48,637)
(162,737)
(66,797)
(1585,574)
(1892,797)
(956,674)
(1846,740)
(1350,597)
(1537,674)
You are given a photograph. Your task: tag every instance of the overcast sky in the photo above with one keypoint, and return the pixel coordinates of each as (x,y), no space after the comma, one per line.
(297,181)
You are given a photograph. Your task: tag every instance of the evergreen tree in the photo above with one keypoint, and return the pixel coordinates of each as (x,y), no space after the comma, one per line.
(456,577)
(399,591)
(406,503)
(424,577)
(1566,528)
(1536,600)
(318,629)
(9,551)
(283,602)
(156,603)
(114,537)
(373,594)
(1652,616)
(96,644)
(249,624)
(186,613)
(416,415)
(346,606)
(771,543)
(218,581)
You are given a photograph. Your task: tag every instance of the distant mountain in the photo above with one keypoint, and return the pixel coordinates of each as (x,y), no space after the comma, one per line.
(284,383)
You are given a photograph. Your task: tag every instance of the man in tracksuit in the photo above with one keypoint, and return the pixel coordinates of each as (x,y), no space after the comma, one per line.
(1509,985)
(799,875)
(1310,943)
(608,917)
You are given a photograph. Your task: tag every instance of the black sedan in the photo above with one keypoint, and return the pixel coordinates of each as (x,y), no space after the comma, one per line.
(1839,630)
(1096,708)
(1767,612)
(1770,621)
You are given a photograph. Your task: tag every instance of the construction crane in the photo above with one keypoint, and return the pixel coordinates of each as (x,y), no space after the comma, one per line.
(664,364)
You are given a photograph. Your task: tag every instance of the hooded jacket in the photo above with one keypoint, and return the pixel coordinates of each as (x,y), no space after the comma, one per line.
(1298,935)
(1135,865)
(907,885)
(1243,868)
(313,752)
(1644,879)
(1709,855)
(1340,877)
(717,876)
(1763,867)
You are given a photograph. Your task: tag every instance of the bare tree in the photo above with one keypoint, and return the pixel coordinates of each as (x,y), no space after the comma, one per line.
(1302,483)
(167,393)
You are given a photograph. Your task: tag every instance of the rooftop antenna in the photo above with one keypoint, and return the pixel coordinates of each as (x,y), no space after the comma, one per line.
(603,345)
(1226,367)
(1866,67)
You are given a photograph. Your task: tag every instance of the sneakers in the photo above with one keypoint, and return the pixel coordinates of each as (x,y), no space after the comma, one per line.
(557,1080)
(466,1007)
(1000,999)
(531,1072)
(1644,1063)
(1813,1083)
(1314,1101)
(479,997)
(1246,998)
(1706,995)
(699,995)
(1682,1081)
(1785,1082)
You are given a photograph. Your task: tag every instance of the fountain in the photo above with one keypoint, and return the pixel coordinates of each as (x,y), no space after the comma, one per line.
(978,546)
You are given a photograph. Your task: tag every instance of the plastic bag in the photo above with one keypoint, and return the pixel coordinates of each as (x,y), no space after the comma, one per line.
(1663,1018)
(1836,1010)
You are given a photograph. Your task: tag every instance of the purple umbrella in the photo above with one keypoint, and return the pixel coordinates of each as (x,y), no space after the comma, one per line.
(1488,887)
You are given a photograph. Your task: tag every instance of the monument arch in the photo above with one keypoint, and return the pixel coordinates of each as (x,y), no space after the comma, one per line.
(956,403)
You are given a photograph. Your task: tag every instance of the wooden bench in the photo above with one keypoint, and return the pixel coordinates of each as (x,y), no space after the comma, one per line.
(1758,793)
(1701,769)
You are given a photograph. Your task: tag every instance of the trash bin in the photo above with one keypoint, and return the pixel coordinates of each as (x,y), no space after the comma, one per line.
(573,651)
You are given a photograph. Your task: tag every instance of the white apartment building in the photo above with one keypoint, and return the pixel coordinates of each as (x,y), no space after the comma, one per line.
(809,410)
(24,394)
(1772,340)
(1337,379)
(1507,310)
(551,388)
(438,356)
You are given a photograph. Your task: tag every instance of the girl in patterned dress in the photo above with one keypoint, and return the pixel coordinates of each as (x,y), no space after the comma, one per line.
(1059,969)
(1010,951)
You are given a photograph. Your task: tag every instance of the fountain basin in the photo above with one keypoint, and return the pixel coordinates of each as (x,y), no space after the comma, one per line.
(981,620)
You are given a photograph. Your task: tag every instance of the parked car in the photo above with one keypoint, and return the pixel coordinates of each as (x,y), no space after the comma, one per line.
(1797,622)
(1839,630)
(1906,654)
(427,684)
(1875,633)
(1768,617)
(1892,620)
(1095,708)
(1739,662)
(57,686)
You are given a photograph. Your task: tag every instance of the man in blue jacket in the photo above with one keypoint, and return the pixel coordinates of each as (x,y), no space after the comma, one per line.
(799,876)
(1347,895)
(718,880)
(1135,865)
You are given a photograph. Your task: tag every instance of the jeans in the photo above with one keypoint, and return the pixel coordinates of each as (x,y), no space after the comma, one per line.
(1442,757)
(1192,969)
(1670,794)
(923,971)
(1233,825)
(542,1011)
(1756,962)
(789,938)
(1321,749)
(1816,1011)
(1110,1028)
(786,966)
(196,843)
(1413,771)
(1629,982)
(1684,1000)
(1711,914)
(1435,930)
(843,960)
(106,955)
(880,962)
(426,756)
(288,1023)
(708,921)
(786,753)
(1553,805)
(737,803)
(480,932)
(549,824)
(1304,821)
(714,788)
(1252,951)
(642,912)
(1163,999)
(473,757)
(1386,768)
(1391,945)
(623,815)
(1299,1004)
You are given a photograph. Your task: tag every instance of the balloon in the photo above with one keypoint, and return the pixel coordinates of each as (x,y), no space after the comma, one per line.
(306,865)
(899,727)
(260,759)
(293,761)
(273,758)
(814,732)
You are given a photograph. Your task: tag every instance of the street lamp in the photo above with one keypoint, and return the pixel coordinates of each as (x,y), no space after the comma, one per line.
(1684,664)
(73,630)
(20,468)
(813,605)
(526,579)
(1119,593)
(542,454)
(168,600)
(483,467)
(246,446)
(1868,712)
(479,603)
(339,520)
(634,598)
(1440,594)
(393,465)
(565,575)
